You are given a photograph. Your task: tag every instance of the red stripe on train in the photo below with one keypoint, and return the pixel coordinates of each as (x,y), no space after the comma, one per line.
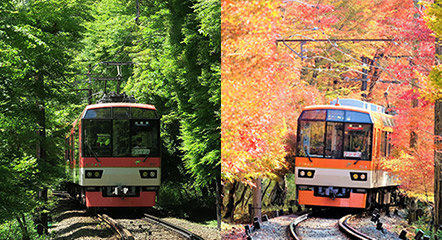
(95,199)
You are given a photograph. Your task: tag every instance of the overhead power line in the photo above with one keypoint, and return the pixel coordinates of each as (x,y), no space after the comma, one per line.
(337,40)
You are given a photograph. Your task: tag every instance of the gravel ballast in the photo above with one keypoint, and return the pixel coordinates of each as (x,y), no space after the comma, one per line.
(71,221)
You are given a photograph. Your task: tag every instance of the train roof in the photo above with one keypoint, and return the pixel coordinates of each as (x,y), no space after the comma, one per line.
(352,105)
(374,113)
(107,105)
(359,104)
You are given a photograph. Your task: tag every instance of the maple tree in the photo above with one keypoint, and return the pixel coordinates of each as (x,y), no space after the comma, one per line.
(404,57)
(249,130)
(258,93)
(264,86)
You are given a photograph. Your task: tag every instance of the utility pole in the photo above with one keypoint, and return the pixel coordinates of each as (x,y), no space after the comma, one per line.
(364,79)
(138,12)
(437,160)
(438,147)
(89,95)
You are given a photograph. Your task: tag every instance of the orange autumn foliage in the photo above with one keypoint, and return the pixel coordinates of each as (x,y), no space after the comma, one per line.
(265,85)
(260,96)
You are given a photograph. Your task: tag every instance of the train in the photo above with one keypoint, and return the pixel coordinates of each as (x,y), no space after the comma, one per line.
(339,154)
(113,155)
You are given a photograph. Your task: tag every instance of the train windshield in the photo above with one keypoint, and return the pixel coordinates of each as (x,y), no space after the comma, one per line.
(121,136)
(330,134)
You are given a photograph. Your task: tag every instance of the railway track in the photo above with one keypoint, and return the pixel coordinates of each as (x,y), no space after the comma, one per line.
(147,227)
(325,228)
(353,233)
(122,232)
(181,231)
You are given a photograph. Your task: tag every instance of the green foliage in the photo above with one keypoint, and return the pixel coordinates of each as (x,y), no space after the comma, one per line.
(37,39)
(178,70)
(11,230)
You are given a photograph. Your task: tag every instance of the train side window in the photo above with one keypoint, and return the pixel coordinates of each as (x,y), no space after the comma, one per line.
(311,139)
(384,144)
(76,145)
(357,141)
(67,149)
(389,145)
(334,139)
(71,148)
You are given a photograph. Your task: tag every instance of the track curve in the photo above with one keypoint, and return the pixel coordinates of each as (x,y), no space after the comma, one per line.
(120,230)
(351,232)
(181,231)
(342,224)
(295,223)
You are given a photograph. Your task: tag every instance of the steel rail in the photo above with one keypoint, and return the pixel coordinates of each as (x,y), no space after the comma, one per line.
(183,232)
(295,223)
(351,232)
(124,233)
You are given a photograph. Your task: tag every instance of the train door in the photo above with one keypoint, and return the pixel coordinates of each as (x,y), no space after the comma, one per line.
(377,158)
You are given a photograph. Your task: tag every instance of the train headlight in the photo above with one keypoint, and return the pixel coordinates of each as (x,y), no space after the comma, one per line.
(358,176)
(148,173)
(302,173)
(94,173)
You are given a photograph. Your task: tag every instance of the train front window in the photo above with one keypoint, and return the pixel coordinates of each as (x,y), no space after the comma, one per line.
(311,142)
(145,138)
(357,141)
(121,138)
(97,138)
(334,140)
(101,113)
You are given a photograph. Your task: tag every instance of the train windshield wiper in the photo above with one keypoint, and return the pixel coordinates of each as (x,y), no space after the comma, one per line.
(92,151)
(147,155)
(356,161)
(308,155)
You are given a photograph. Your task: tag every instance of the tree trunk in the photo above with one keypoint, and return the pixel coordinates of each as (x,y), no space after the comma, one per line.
(257,192)
(42,228)
(23,227)
(241,198)
(231,202)
(218,201)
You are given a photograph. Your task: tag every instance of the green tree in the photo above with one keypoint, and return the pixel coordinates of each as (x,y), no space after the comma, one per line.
(37,38)
(178,69)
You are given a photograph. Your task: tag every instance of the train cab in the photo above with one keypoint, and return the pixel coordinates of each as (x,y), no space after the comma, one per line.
(114,157)
(339,152)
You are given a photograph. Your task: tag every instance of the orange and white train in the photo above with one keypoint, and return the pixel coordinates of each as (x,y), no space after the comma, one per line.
(113,156)
(340,148)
